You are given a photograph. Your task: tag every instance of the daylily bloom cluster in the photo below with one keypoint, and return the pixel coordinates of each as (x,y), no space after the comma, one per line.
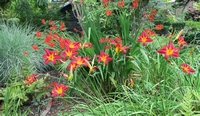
(65,50)
(167,50)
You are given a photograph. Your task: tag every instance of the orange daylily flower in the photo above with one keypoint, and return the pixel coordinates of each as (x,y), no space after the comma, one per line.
(149,32)
(103,57)
(31,78)
(43,21)
(51,22)
(38,34)
(108,12)
(121,3)
(105,1)
(144,38)
(48,38)
(169,50)
(51,44)
(35,47)
(134,4)
(25,53)
(186,68)
(153,12)
(151,18)
(159,27)
(50,56)
(53,27)
(102,40)
(59,89)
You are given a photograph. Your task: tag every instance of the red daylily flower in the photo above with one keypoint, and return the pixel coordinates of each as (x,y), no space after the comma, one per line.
(51,22)
(186,68)
(169,50)
(118,46)
(181,41)
(106,47)
(104,1)
(80,61)
(74,45)
(102,40)
(51,44)
(103,57)
(35,47)
(50,56)
(48,38)
(31,78)
(121,3)
(144,38)
(38,34)
(153,12)
(134,4)
(76,30)
(53,27)
(151,18)
(59,89)
(69,52)
(25,53)
(43,21)
(108,12)
(62,28)
(159,27)
(72,65)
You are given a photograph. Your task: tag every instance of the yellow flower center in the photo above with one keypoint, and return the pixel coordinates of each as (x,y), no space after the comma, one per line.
(71,45)
(51,57)
(79,62)
(144,39)
(118,49)
(103,58)
(186,68)
(169,51)
(69,53)
(59,90)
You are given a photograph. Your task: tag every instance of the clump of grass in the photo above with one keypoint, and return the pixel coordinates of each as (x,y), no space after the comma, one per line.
(16,53)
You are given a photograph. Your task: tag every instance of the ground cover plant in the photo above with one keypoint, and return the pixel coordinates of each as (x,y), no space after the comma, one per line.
(118,69)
